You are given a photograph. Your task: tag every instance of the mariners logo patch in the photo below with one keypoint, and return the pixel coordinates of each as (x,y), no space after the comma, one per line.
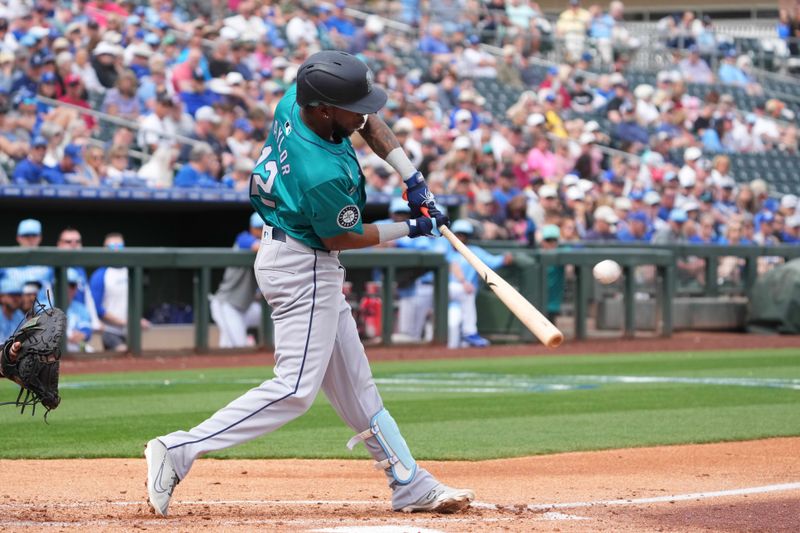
(348,216)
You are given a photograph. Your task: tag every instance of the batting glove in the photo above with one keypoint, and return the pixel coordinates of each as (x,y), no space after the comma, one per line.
(420,198)
(440,218)
(421,227)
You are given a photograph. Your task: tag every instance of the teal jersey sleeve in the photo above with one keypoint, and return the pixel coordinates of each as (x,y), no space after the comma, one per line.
(332,210)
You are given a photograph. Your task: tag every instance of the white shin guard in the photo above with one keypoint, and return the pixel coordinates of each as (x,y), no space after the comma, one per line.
(398,457)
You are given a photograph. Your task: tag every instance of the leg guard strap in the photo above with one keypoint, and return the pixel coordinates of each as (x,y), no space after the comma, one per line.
(398,457)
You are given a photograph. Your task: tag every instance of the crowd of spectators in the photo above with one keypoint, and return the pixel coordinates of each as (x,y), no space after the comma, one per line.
(214,78)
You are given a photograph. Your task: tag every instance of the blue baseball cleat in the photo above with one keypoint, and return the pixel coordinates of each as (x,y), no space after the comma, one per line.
(475,341)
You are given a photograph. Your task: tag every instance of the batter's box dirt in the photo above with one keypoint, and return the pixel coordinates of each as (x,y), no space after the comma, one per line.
(746,486)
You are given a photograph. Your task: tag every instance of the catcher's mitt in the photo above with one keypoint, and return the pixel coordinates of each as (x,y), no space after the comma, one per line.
(34,365)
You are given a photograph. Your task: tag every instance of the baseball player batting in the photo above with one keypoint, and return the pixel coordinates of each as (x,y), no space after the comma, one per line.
(309,189)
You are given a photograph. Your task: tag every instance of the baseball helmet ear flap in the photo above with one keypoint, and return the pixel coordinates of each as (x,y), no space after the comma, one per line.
(340,80)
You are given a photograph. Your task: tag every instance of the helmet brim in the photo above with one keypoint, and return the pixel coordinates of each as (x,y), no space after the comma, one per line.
(371,103)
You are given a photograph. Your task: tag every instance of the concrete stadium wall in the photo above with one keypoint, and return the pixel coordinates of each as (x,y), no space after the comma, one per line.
(699,313)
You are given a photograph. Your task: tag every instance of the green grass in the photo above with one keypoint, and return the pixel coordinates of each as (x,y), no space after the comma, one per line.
(113,415)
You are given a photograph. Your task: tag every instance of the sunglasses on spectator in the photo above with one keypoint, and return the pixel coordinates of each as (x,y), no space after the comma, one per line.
(551,240)
(70,241)
(115,246)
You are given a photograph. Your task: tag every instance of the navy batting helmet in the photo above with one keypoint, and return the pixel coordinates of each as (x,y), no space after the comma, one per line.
(340,80)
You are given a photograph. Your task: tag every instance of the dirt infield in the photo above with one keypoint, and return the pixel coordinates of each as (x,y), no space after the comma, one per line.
(747,486)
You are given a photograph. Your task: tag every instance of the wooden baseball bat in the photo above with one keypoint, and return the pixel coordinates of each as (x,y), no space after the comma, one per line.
(534,320)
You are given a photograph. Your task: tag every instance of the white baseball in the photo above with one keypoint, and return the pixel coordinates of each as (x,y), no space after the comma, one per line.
(607,271)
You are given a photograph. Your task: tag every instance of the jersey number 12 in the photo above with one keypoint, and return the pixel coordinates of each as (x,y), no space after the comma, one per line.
(263,177)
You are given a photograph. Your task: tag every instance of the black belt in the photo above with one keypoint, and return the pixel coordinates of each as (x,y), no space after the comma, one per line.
(278,235)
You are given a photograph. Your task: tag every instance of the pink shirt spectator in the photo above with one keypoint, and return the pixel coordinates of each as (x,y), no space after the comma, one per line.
(542,162)
(99,11)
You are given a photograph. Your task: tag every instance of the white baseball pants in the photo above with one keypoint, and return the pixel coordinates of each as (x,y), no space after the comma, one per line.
(233,323)
(462,316)
(413,311)
(316,347)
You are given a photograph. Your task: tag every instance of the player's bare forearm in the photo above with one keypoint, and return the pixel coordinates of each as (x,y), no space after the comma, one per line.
(352,241)
(379,136)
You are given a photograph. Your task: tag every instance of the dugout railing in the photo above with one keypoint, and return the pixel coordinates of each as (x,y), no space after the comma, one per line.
(201,261)
(669,283)
(528,274)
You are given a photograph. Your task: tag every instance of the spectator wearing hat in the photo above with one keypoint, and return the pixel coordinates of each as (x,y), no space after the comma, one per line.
(238,178)
(74,95)
(463,288)
(483,211)
(687,176)
(28,79)
(29,235)
(474,62)
(11,316)
(789,204)
(46,88)
(581,97)
(104,61)
(725,204)
(550,205)
(79,321)
(197,172)
(628,131)
(29,170)
(791,233)
(139,63)
(67,169)
(764,233)
(239,142)
(206,121)
(197,94)
(153,84)
(673,233)
(236,306)
(506,188)
(468,102)
(729,73)
(508,69)
(550,239)
(636,228)
(603,227)
(159,126)
(618,96)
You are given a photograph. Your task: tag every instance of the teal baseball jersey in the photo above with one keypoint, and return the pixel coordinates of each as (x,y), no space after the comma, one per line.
(307,186)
